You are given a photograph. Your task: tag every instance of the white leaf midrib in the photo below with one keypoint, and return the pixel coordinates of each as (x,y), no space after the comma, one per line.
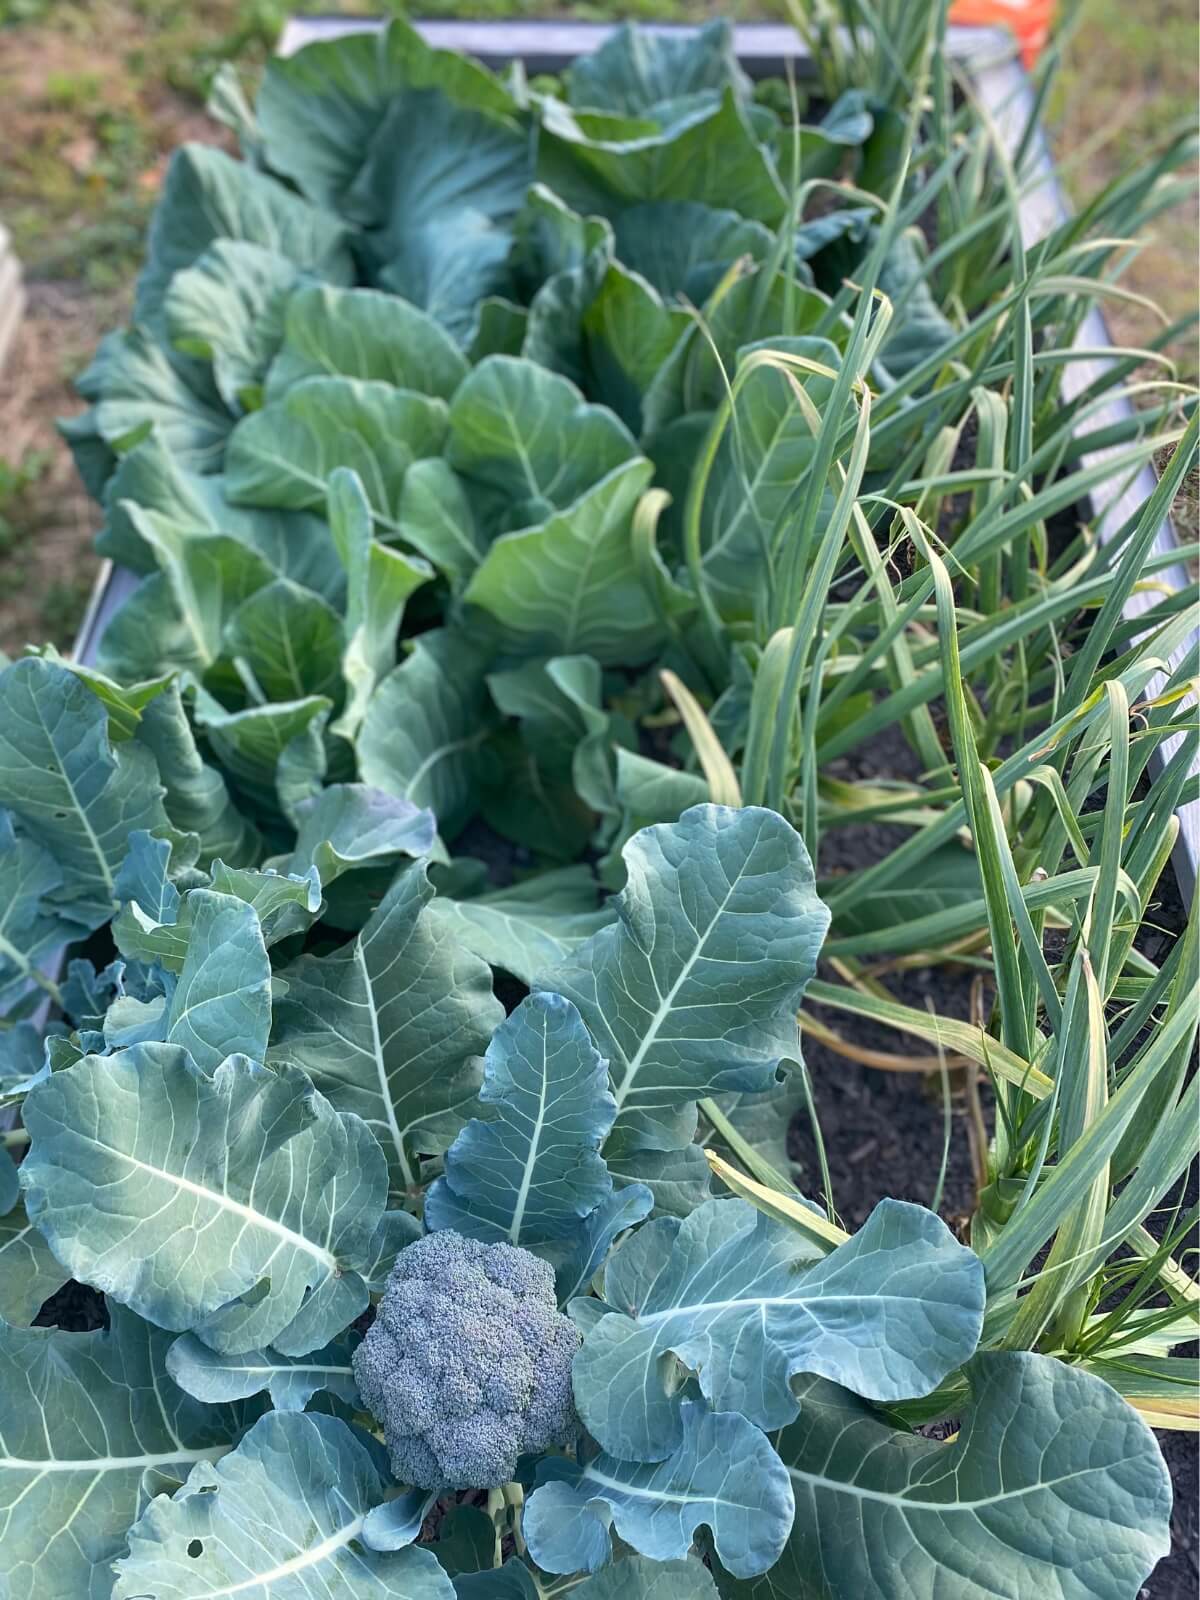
(226,1202)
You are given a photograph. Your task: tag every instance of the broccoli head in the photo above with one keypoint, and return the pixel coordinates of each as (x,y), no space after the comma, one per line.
(468,1362)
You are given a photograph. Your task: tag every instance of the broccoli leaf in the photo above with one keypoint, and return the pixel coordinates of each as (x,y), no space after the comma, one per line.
(637,1578)
(236,1203)
(724,1474)
(694,990)
(283,1515)
(229,988)
(1053,1486)
(619,1210)
(82,1417)
(29,1273)
(531,1172)
(748,1304)
(529,927)
(389,1026)
(221,1005)
(291,1381)
(77,796)
(512,1581)
(30,929)
(349,827)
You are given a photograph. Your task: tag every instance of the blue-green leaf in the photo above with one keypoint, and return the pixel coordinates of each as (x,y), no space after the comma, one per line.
(285,454)
(274,753)
(426,726)
(318,109)
(294,544)
(228,308)
(30,928)
(74,793)
(527,444)
(439,185)
(291,1381)
(528,927)
(282,1515)
(695,989)
(634,71)
(1053,1486)
(707,153)
(29,1273)
(236,1203)
(147,388)
(349,827)
(572,583)
(361,333)
(512,1581)
(533,1170)
(637,1578)
(748,1304)
(222,1002)
(82,1417)
(684,248)
(619,1210)
(207,196)
(390,1026)
(290,640)
(379,581)
(724,1475)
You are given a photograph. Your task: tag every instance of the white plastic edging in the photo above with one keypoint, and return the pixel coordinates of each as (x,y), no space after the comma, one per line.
(12,294)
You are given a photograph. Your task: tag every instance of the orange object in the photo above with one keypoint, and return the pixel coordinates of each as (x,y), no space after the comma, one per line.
(1029,20)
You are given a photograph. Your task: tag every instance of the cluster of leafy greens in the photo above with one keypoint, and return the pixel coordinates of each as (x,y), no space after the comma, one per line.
(556,475)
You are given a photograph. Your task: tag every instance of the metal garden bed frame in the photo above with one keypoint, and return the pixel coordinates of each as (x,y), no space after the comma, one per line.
(767,50)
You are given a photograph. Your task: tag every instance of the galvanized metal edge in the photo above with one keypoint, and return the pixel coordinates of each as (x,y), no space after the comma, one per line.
(761,47)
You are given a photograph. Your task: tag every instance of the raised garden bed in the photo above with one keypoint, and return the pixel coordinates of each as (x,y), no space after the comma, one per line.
(850,662)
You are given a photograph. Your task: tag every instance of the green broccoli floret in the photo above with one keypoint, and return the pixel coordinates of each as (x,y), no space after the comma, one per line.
(468,1362)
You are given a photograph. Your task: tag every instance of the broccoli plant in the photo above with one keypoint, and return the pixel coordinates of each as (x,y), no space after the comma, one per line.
(586,1360)
(468,1363)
